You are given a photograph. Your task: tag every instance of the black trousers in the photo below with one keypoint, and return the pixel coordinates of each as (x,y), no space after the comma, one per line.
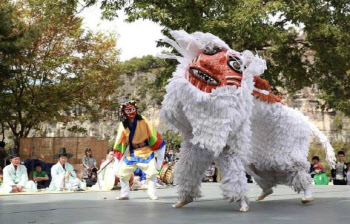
(339,182)
(43,184)
(89,182)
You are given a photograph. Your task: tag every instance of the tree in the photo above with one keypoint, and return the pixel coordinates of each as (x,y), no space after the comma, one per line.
(172,139)
(305,42)
(11,42)
(143,64)
(49,65)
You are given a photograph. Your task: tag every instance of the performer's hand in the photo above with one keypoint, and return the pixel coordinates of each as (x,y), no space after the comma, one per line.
(14,189)
(20,188)
(118,154)
(110,158)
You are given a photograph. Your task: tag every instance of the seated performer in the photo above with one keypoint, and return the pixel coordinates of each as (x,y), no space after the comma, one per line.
(106,174)
(63,174)
(138,145)
(40,177)
(16,176)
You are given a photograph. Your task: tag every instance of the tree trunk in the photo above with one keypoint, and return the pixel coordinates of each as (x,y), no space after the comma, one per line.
(16,141)
(3,131)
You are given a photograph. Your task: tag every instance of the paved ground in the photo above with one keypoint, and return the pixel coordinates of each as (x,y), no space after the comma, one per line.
(332,205)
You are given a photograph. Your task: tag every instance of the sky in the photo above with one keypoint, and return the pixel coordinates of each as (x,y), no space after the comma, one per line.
(135,39)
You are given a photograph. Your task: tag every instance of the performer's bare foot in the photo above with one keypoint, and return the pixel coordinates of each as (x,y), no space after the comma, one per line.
(264,195)
(181,204)
(307,200)
(123,198)
(307,196)
(153,197)
(244,206)
(244,209)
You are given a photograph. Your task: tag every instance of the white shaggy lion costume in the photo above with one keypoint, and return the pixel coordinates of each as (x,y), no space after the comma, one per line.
(224,111)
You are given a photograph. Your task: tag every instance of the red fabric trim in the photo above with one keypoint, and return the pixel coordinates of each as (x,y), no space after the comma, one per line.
(261,83)
(157,144)
(271,98)
(265,85)
(118,154)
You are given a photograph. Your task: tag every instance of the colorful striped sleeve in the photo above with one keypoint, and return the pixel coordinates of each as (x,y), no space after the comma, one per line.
(155,141)
(120,142)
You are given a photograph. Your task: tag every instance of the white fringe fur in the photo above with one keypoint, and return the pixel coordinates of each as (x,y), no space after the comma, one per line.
(280,145)
(231,127)
(214,126)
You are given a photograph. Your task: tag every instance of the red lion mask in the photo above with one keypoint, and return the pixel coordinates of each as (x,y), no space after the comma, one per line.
(214,68)
(211,69)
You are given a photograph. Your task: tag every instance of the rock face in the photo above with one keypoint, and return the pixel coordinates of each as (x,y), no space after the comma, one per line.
(332,123)
(107,128)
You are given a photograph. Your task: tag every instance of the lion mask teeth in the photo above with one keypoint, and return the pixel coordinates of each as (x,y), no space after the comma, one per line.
(203,76)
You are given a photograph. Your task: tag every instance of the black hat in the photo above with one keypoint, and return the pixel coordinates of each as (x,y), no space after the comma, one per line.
(62,152)
(13,153)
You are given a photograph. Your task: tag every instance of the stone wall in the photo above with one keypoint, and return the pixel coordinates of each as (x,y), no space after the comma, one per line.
(44,148)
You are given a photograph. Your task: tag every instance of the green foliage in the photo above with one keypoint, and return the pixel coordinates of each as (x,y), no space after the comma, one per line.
(49,65)
(338,122)
(77,129)
(344,146)
(172,139)
(305,42)
(143,64)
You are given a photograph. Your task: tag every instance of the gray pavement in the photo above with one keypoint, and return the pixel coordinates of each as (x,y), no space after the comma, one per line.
(332,205)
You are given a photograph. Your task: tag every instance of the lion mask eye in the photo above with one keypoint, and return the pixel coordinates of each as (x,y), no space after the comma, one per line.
(236,64)
(211,51)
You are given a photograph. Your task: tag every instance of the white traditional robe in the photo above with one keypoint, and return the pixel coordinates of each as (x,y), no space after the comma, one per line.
(100,185)
(17,177)
(58,173)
